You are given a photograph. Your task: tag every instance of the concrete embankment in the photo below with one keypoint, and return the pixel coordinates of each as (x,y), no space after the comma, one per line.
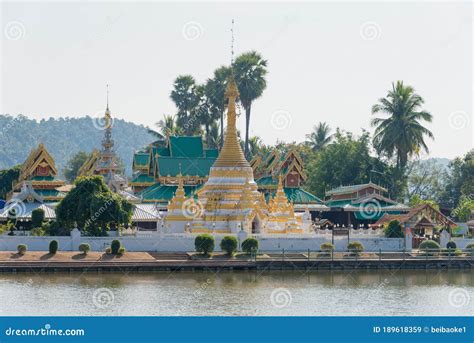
(229,264)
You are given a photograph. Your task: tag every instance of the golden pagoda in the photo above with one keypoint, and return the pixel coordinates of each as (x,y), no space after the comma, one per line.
(229,201)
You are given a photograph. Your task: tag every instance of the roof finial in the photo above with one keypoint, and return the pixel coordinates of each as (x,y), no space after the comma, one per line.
(232,45)
(107,97)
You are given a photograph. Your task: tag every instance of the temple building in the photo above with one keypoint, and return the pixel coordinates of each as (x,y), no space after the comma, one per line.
(360,205)
(105,162)
(229,201)
(38,177)
(36,187)
(290,168)
(157,167)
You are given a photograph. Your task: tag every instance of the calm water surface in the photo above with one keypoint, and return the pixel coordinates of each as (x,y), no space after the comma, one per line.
(240,293)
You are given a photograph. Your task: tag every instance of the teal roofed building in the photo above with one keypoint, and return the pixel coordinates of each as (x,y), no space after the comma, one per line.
(157,166)
(360,205)
(290,167)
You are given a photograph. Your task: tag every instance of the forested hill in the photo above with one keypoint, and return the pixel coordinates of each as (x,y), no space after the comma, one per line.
(63,137)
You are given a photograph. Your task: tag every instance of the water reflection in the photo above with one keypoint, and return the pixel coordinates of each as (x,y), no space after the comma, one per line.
(421,292)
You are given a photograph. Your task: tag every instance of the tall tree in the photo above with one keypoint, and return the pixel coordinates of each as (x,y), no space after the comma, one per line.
(166,127)
(402,133)
(459,181)
(250,70)
(206,112)
(186,98)
(215,89)
(7,178)
(74,164)
(320,137)
(213,138)
(93,207)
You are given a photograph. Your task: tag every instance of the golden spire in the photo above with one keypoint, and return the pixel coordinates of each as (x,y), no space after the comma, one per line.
(231,154)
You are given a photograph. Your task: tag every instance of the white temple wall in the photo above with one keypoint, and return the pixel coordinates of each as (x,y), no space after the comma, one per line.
(185,242)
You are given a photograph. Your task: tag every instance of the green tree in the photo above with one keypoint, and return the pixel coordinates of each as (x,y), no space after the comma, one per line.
(93,207)
(74,164)
(394,230)
(347,161)
(416,200)
(7,178)
(319,137)
(402,133)
(426,179)
(459,181)
(215,92)
(250,245)
(204,244)
(229,245)
(213,139)
(53,247)
(464,209)
(166,127)
(37,217)
(186,98)
(250,70)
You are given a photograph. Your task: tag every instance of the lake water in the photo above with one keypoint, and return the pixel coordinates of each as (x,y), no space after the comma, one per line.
(315,293)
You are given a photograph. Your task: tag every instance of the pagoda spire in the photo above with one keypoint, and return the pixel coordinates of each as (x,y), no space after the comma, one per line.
(231,154)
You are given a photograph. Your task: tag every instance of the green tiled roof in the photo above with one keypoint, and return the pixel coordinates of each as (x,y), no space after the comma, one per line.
(141,159)
(42,178)
(193,167)
(298,196)
(211,153)
(160,151)
(140,178)
(158,192)
(265,181)
(186,146)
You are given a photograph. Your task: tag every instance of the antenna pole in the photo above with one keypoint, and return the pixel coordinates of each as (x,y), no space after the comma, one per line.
(232,45)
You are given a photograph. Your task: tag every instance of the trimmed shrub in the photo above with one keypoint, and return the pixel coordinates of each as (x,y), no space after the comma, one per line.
(393,230)
(451,252)
(250,245)
(229,245)
(37,217)
(84,248)
(21,248)
(451,245)
(355,248)
(121,251)
(470,246)
(53,247)
(204,244)
(429,247)
(115,246)
(326,247)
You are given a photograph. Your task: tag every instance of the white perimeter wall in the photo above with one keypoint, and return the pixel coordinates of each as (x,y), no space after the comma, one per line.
(185,242)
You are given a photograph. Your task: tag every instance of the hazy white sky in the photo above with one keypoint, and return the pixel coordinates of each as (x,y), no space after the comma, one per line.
(327,61)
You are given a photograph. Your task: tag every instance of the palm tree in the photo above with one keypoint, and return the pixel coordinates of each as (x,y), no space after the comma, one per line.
(320,137)
(205,111)
(186,98)
(400,134)
(250,70)
(214,90)
(255,145)
(213,138)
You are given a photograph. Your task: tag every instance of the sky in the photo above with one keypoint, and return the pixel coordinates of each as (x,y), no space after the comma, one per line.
(327,62)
